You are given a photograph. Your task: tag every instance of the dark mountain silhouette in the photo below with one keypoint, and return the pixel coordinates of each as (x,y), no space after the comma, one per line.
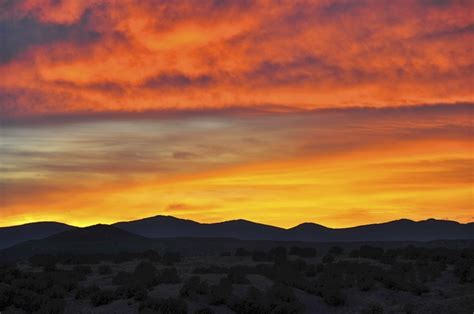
(93,239)
(398,230)
(12,235)
(138,233)
(171,227)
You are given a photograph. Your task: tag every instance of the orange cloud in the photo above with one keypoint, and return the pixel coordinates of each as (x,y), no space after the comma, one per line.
(102,56)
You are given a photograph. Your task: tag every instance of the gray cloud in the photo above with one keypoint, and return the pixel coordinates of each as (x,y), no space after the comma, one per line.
(17,35)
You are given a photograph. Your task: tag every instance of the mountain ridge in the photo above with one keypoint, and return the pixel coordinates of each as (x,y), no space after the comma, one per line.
(161,226)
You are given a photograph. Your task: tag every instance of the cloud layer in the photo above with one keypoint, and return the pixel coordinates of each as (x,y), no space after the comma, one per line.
(73,56)
(337,167)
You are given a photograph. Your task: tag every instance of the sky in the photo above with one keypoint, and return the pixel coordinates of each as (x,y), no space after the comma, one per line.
(336,112)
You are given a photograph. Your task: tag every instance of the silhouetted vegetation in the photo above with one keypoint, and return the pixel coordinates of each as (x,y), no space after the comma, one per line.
(46,282)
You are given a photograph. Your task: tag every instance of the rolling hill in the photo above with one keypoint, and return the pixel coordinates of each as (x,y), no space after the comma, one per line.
(93,239)
(138,232)
(172,227)
(12,235)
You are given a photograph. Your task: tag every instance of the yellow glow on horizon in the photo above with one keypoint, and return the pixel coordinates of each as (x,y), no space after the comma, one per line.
(407,182)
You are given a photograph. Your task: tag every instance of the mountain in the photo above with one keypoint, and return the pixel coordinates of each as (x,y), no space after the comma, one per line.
(171,227)
(93,239)
(398,230)
(138,233)
(12,235)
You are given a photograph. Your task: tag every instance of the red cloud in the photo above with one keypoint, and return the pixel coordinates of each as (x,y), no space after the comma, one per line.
(140,55)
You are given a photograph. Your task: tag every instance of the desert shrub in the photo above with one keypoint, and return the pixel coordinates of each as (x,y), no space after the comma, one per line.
(225,254)
(168,276)
(464,270)
(144,274)
(170,258)
(104,270)
(305,252)
(56,291)
(409,308)
(333,296)
(52,306)
(242,252)
(260,256)
(102,297)
(237,276)
(50,268)
(204,310)
(367,251)
(194,286)
(41,260)
(122,278)
(86,292)
(211,269)
(165,306)
(252,303)
(336,250)
(373,308)
(5,296)
(28,300)
(311,270)
(328,258)
(285,272)
(419,288)
(282,299)
(151,255)
(278,254)
(82,269)
(220,293)
(365,283)
(135,291)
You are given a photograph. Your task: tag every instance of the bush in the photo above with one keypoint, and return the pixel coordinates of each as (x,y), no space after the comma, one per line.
(82,269)
(151,255)
(365,283)
(237,276)
(122,278)
(336,250)
(328,258)
(253,302)
(170,258)
(5,296)
(168,276)
(41,260)
(242,252)
(194,286)
(144,274)
(165,306)
(220,293)
(282,299)
(204,310)
(306,252)
(104,270)
(52,306)
(333,297)
(278,254)
(464,270)
(87,292)
(373,308)
(137,292)
(102,297)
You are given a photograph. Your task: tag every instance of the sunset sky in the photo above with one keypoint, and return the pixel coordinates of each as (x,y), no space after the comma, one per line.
(280,112)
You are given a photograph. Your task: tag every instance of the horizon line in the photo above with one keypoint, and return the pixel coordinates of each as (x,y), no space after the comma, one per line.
(238,219)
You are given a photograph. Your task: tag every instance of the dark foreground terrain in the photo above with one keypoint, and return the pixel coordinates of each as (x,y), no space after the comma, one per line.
(257,277)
